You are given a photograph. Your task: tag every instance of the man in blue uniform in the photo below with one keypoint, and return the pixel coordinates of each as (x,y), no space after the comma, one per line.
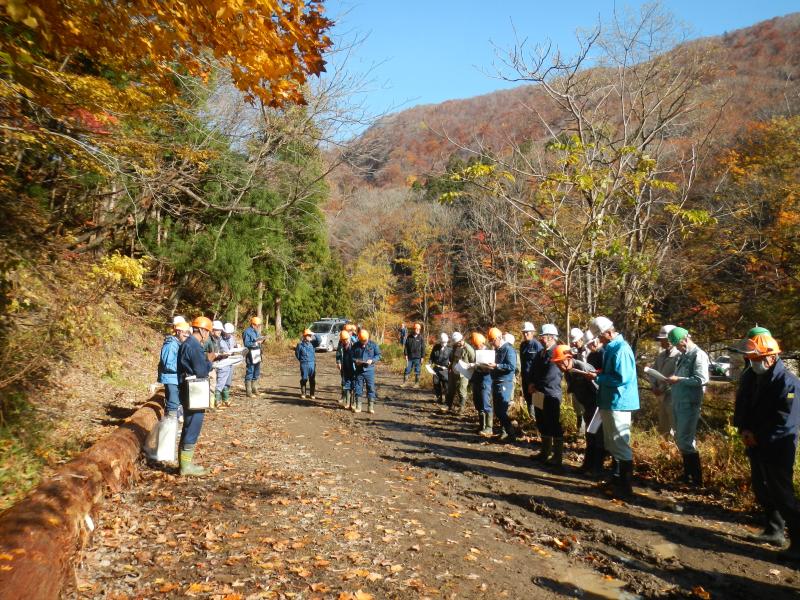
(347,368)
(502,372)
(528,349)
(192,361)
(547,382)
(365,354)
(252,340)
(767,415)
(305,353)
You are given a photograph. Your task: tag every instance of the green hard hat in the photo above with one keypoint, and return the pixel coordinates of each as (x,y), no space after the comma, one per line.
(676,335)
(757,330)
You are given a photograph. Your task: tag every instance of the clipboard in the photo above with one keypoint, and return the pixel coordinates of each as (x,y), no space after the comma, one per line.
(595,423)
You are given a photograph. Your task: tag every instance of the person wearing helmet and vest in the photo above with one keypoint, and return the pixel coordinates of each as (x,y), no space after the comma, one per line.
(547,381)
(168,365)
(413,351)
(457,384)
(347,367)
(440,360)
(528,350)
(481,382)
(767,415)
(617,398)
(585,391)
(502,374)
(366,354)
(192,361)
(688,386)
(305,353)
(665,363)
(252,340)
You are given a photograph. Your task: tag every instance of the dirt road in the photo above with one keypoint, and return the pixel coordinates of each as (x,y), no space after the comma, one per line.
(311,501)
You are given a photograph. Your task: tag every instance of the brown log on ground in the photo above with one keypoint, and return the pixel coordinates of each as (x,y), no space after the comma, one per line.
(41,535)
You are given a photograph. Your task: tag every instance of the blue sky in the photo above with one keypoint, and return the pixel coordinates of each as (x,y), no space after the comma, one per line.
(419,52)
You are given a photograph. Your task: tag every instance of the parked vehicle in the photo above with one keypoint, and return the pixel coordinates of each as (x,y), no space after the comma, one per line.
(721,366)
(327,330)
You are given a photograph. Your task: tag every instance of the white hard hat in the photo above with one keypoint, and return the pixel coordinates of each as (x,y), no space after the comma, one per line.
(443,337)
(217,325)
(457,337)
(588,336)
(600,325)
(575,335)
(509,338)
(528,326)
(549,329)
(662,335)
(177,320)
(229,328)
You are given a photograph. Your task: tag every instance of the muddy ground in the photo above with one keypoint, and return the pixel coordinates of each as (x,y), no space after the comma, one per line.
(308,500)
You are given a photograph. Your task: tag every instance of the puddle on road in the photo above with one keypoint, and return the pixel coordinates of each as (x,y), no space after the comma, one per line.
(578,582)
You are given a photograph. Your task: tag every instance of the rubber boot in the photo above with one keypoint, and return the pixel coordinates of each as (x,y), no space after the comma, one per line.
(545,450)
(487,425)
(351,399)
(311,391)
(254,386)
(187,469)
(226,396)
(302,390)
(623,487)
(416,381)
(248,388)
(357,407)
(686,477)
(773,533)
(217,398)
(343,399)
(557,459)
(405,378)
(697,470)
(481,421)
(371,406)
(792,553)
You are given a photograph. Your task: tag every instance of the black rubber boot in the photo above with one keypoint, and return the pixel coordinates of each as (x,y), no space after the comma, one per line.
(302,390)
(312,384)
(248,388)
(773,533)
(557,459)
(481,421)
(343,399)
(545,450)
(623,486)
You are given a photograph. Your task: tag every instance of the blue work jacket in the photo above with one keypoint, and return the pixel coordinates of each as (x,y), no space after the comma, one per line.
(192,360)
(618,382)
(368,351)
(304,351)
(528,350)
(505,359)
(546,375)
(168,362)
(344,357)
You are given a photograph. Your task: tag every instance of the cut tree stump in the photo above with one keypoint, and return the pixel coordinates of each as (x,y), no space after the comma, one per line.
(41,535)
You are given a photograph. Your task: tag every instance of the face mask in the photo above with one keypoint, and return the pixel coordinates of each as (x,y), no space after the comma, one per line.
(759,368)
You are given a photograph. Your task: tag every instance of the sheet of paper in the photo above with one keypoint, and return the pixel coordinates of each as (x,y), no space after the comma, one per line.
(654,374)
(484,357)
(429,369)
(464,370)
(595,423)
(228,362)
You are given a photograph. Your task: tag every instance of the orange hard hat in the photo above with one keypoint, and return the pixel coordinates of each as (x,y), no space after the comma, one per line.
(363,335)
(761,345)
(477,339)
(202,323)
(351,327)
(561,353)
(307,331)
(494,333)
(255,320)
(345,335)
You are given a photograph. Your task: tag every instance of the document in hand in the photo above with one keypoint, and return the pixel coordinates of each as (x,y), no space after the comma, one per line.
(654,374)
(595,423)
(484,357)
(429,369)
(463,369)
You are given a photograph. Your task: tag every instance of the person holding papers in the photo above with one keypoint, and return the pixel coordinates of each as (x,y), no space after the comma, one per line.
(366,354)
(440,361)
(547,384)
(252,340)
(481,381)
(665,364)
(584,391)
(528,350)
(503,369)
(457,382)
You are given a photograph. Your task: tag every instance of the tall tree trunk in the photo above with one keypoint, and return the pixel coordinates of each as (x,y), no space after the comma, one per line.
(260,300)
(236,316)
(278,319)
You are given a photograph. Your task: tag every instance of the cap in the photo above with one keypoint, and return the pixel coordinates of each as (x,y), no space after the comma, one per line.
(664,332)
(217,325)
(600,325)
(457,337)
(528,326)
(676,334)
(229,328)
(575,335)
(549,329)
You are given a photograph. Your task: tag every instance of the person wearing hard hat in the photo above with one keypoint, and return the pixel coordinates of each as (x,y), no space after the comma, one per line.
(402,334)
(347,367)
(688,385)
(481,382)
(440,360)
(547,381)
(366,354)
(192,361)
(502,378)
(252,340)
(595,350)
(509,338)
(528,350)
(457,384)
(168,365)
(767,415)
(213,345)
(579,351)
(305,353)
(665,363)
(414,351)
(618,397)
(585,391)
(227,342)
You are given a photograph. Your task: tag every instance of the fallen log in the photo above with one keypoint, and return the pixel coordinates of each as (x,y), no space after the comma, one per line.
(41,535)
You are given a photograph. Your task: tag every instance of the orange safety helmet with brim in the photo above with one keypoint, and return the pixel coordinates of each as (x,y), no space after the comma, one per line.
(477,339)
(494,333)
(307,332)
(760,346)
(363,335)
(561,353)
(344,336)
(202,323)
